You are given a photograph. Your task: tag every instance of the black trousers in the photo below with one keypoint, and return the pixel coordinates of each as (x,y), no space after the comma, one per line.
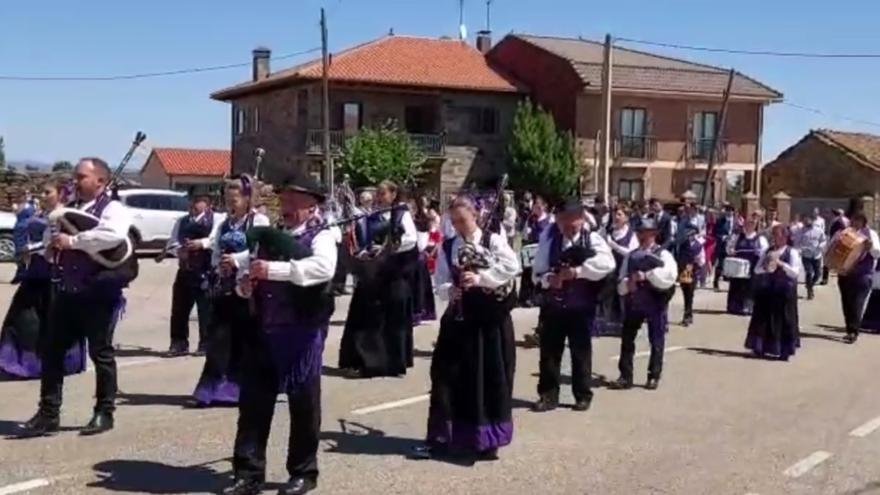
(854,292)
(826,272)
(657,325)
(259,390)
(687,290)
(185,293)
(721,253)
(72,317)
(811,272)
(576,326)
(341,275)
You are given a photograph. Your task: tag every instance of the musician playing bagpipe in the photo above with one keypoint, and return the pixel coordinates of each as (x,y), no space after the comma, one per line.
(378,335)
(191,241)
(691,258)
(289,283)
(87,299)
(472,368)
(25,327)
(647,282)
(230,317)
(571,264)
(856,283)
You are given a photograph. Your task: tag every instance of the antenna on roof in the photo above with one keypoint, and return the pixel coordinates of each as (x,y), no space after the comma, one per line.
(489,15)
(462,29)
(391,31)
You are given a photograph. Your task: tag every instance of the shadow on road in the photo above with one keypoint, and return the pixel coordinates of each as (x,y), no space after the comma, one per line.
(596,381)
(870,488)
(329,371)
(136,476)
(137,351)
(709,312)
(722,352)
(832,338)
(831,328)
(422,354)
(155,400)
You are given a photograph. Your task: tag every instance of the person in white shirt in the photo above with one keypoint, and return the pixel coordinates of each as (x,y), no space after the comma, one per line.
(622,240)
(87,302)
(377,340)
(230,319)
(773,328)
(855,285)
(571,263)
(510,218)
(289,283)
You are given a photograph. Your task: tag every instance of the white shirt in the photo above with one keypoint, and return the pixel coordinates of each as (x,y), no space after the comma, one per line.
(112,229)
(242,257)
(446,227)
(594,269)
(504,270)
(819,222)
(762,243)
(509,221)
(616,238)
(410,237)
(661,278)
(792,268)
(317,269)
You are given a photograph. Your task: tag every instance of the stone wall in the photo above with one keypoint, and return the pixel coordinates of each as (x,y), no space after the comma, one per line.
(16,185)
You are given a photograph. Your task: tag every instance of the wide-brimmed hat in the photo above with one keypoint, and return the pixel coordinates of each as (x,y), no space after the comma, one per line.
(647,223)
(302,183)
(570,205)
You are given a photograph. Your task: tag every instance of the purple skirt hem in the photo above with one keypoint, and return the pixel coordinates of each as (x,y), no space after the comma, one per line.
(27,365)
(470,437)
(216,392)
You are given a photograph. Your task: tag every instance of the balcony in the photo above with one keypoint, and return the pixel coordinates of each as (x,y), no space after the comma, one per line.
(635,148)
(432,145)
(700,149)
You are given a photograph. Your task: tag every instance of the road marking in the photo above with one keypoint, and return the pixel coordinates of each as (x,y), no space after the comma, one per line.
(24,486)
(803,466)
(642,354)
(866,429)
(391,405)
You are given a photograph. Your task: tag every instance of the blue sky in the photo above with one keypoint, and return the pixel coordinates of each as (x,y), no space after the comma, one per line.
(50,121)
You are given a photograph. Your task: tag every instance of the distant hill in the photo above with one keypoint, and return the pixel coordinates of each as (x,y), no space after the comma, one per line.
(22,165)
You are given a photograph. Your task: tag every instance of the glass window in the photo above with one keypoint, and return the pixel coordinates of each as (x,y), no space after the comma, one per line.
(697,187)
(143,201)
(302,107)
(351,117)
(630,190)
(256,120)
(632,122)
(704,133)
(240,121)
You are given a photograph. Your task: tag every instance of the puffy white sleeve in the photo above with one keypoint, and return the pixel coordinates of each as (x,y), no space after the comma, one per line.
(505,268)
(875,243)
(410,236)
(112,229)
(665,276)
(442,274)
(600,265)
(793,267)
(763,245)
(313,270)
(242,258)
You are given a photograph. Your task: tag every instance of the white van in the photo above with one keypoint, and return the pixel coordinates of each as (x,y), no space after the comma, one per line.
(153,213)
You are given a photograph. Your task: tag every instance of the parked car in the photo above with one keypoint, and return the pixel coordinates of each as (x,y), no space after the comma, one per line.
(153,212)
(7,244)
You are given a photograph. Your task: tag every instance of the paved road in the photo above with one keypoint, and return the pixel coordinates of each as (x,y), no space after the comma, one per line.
(721,423)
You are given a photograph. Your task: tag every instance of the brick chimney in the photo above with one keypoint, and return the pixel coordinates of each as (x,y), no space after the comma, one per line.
(261,63)
(484,41)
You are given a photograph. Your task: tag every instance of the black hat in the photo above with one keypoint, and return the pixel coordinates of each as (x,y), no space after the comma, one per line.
(299,182)
(571,205)
(647,222)
(690,229)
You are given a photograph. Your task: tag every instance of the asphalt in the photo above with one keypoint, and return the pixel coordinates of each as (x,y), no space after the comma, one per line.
(721,422)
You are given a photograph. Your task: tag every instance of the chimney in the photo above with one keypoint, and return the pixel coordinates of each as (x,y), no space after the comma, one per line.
(261,63)
(484,41)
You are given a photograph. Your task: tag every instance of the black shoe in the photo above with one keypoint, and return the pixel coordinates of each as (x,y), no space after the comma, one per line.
(244,487)
(652,384)
(178,349)
(622,384)
(851,338)
(532,340)
(40,425)
(100,423)
(352,373)
(487,455)
(298,486)
(581,405)
(544,404)
(202,349)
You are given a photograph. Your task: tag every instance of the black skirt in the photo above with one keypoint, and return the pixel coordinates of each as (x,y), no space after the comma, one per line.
(424,308)
(219,381)
(773,328)
(378,335)
(472,374)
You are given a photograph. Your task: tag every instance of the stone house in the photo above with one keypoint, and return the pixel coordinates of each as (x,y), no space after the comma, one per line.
(184,169)
(825,169)
(444,93)
(664,113)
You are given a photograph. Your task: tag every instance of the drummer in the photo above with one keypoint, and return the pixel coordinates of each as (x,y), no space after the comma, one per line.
(855,284)
(749,246)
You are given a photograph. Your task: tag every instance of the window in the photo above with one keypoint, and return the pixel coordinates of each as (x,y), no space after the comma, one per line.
(697,187)
(256,120)
(162,202)
(630,190)
(315,170)
(240,121)
(352,117)
(302,107)
(632,132)
(704,134)
(473,120)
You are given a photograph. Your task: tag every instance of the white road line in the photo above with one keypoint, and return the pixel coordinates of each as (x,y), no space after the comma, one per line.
(391,405)
(642,354)
(24,486)
(866,429)
(803,466)
(125,364)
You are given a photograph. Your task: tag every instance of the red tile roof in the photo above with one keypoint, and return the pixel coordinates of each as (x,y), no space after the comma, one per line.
(395,61)
(865,147)
(183,161)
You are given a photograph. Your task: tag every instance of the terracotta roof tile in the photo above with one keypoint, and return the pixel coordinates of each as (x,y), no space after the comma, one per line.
(396,61)
(866,146)
(183,161)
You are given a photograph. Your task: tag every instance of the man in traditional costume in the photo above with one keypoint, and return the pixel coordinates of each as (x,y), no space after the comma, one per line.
(647,283)
(570,264)
(691,258)
(855,285)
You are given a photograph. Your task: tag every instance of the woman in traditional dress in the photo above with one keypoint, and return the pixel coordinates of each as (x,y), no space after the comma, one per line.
(773,329)
(472,369)
(219,382)
(25,326)
(427,221)
(749,245)
(623,240)
(378,335)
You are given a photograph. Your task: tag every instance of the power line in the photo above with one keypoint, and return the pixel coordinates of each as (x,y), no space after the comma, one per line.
(832,115)
(767,53)
(146,75)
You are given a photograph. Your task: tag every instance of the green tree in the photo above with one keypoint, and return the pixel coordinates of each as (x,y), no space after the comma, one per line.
(543,159)
(62,166)
(2,154)
(374,155)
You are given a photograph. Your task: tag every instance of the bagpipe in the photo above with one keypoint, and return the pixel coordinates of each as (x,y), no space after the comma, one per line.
(571,257)
(645,264)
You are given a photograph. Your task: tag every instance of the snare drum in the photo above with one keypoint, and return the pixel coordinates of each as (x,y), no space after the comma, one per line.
(527,255)
(737,268)
(845,251)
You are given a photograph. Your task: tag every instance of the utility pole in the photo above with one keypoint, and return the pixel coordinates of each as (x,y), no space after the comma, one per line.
(325,105)
(605,143)
(716,138)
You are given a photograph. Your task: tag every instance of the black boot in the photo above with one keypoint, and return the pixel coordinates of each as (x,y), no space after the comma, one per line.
(41,424)
(581,405)
(298,486)
(178,348)
(622,384)
(652,384)
(100,423)
(851,338)
(545,404)
(244,487)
